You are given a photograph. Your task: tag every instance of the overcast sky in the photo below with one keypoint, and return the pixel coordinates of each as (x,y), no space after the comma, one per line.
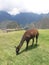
(17,6)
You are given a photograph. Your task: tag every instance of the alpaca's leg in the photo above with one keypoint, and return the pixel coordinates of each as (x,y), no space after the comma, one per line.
(27,44)
(36,39)
(32,41)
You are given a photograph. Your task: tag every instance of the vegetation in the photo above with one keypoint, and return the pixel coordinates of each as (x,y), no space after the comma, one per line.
(42,24)
(8,24)
(12,25)
(33,56)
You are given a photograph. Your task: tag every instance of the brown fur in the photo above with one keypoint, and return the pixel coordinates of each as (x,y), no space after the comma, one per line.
(29,34)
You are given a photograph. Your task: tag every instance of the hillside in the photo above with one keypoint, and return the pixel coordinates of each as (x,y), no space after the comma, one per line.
(42,24)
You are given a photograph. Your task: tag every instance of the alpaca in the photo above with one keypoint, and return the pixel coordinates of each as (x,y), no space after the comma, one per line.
(28,35)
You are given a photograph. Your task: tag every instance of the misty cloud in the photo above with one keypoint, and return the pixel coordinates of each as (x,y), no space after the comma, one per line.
(16,6)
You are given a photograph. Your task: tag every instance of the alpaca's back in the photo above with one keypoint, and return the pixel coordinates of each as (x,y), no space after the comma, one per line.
(32,32)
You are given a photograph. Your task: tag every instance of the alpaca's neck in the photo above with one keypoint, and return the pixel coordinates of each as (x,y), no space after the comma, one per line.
(21,43)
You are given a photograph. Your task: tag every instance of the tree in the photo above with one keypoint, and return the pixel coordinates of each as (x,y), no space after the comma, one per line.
(13,25)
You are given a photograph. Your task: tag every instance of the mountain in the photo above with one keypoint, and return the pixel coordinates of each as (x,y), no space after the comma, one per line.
(22,18)
(25,18)
(5,16)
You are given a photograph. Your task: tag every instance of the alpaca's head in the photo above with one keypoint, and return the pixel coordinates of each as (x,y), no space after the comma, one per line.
(17,50)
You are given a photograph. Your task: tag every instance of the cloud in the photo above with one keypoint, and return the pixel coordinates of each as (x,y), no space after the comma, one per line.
(14,11)
(17,6)
(12,6)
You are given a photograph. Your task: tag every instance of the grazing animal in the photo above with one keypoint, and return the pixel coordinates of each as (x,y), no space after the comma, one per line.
(28,35)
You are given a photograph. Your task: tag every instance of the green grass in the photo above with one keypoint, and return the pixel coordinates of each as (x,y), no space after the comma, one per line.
(33,56)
